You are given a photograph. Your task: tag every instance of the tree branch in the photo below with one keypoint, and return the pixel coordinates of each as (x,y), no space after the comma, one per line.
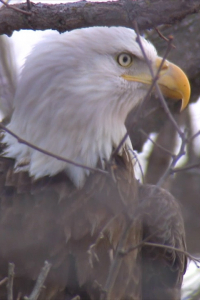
(40,282)
(24,142)
(11,274)
(62,17)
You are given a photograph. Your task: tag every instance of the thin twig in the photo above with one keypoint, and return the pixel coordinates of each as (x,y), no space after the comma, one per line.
(186,168)
(40,282)
(137,116)
(22,141)
(182,135)
(163,37)
(196,260)
(19,296)
(156,77)
(139,164)
(156,144)
(3,281)
(15,8)
(11,274)
(146,243)
(7,1)
(115,266)
(194,136)
(173,162)
(153,84)
(132,248)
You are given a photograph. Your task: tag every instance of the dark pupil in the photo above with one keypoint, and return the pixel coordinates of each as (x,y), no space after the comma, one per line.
(125,59)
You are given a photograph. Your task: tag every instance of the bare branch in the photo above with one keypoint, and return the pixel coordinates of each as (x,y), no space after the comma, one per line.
(22,141)
(62,17)
(3,281)
(154,83)
(194,136)
(139,109)
(163,37)
(15,8)
(156,144)
(115,266)
(174,161)
(196,260)
(139,164)
(186,168)
(146,243)
(155,77)
(11,274)
(40,282)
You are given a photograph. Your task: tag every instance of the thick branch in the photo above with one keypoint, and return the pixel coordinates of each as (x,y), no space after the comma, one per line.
(68,16)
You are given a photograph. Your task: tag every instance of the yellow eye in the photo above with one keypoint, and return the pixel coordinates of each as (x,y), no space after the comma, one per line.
(124,59)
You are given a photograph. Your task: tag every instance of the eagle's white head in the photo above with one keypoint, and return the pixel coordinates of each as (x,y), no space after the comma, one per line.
(74,94)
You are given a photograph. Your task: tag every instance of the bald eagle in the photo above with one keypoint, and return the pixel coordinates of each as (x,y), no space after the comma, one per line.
(74,94)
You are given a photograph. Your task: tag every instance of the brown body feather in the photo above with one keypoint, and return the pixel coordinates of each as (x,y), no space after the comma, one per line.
(81,232)
(51,220)
(162,268)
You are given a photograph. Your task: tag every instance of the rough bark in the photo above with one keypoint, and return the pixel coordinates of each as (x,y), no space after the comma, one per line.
(68,16)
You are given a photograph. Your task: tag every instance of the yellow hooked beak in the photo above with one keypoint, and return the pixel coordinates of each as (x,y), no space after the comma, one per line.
(172,81)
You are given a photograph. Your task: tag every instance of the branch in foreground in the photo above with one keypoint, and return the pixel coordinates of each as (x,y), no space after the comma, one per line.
(40,282)
(186,168)
(146,243)
(22,141)
(69,16)
(15,8)
(11,274)
(156,144)
(3,281)
(153,84)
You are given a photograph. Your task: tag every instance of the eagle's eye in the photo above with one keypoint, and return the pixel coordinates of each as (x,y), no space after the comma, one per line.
(124,59)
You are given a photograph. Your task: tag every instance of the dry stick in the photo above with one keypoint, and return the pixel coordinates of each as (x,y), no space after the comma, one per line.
(186,168)
(118,259)
(113,272)
(15,8)
(22,141)
(19,296)
(196,260)
(173,163)
(139,164)
(11,274)
(167,111)
(194,136)
(154,83)
(3,281)
(146,243)
(7,1)
(40,282)
(162,36)
(162,100)
(132,248)
(156,144)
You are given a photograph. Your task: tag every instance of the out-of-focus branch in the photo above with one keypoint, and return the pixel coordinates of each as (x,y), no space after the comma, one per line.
(186,55)
(8,77)
(22,141)
(40,282)
(69,16)
(11,274)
